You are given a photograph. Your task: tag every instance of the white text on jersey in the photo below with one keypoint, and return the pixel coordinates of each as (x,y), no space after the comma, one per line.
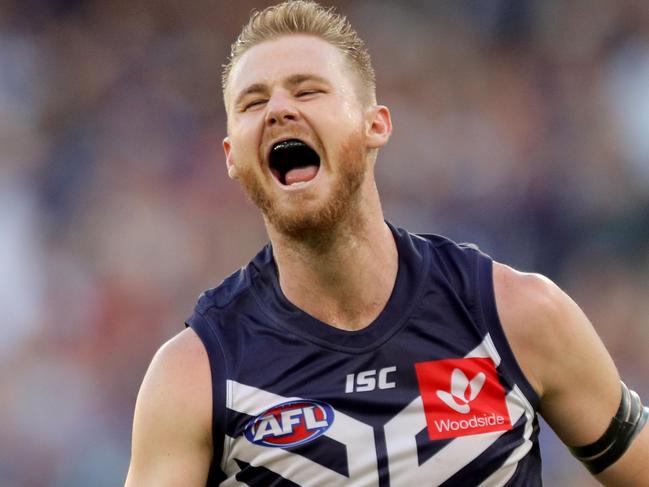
(367,380)
(270,425)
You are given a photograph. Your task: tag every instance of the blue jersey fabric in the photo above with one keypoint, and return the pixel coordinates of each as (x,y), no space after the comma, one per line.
(417,397)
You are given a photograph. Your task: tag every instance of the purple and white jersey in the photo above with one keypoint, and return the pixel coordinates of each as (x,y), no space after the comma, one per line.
(428,394)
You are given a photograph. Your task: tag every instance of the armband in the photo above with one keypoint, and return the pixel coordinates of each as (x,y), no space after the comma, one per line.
(631,416)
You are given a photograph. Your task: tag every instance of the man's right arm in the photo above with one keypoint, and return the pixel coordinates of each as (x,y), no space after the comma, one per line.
(172,440)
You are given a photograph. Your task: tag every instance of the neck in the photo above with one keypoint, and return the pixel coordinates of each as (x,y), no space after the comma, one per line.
(345,279)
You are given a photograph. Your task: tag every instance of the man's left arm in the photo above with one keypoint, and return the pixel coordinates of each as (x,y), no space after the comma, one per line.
(572,372)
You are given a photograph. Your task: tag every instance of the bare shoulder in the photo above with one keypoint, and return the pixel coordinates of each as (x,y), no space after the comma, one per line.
(532,310)
(550,335)
(568,365)
(179,378)
(559,351)
(172,441)
(183,354)
(522,292)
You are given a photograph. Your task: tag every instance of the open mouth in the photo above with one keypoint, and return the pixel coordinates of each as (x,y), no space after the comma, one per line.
(293,161)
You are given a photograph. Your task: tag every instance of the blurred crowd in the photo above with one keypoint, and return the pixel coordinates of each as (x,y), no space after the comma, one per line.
(519,125)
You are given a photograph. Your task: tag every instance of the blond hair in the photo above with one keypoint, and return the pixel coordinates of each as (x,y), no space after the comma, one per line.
(309,18)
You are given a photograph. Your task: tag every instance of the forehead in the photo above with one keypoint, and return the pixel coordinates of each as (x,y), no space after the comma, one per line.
(275,60)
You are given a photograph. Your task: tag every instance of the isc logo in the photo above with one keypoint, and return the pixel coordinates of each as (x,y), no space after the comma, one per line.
(367,380)
(290,423)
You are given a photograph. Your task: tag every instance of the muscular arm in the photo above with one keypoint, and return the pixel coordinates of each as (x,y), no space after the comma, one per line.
(172,424)
(567,364)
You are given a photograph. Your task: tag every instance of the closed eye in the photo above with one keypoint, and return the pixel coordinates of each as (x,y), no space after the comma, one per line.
(254,103)
(306,93)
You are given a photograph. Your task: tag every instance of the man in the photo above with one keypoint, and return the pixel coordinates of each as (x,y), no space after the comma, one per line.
(349,352)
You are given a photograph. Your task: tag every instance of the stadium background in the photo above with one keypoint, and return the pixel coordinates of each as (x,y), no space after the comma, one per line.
(519,124)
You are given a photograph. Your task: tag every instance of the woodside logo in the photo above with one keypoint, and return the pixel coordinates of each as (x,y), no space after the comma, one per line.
(456,406)
(473,422)
(462,391)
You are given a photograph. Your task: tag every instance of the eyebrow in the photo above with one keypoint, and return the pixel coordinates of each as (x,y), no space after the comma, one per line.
(297,79)
(291,81)
(254,88)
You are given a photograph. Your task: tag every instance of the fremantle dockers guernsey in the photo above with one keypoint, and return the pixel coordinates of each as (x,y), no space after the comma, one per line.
(428,394)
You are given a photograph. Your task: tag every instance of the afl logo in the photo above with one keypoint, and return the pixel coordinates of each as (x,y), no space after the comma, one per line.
(291,423)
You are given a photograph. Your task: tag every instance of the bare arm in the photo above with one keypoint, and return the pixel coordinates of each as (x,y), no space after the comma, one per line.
(569,367)
(172,441)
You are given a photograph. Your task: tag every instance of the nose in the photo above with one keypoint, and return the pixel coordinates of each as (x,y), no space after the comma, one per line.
(280,110)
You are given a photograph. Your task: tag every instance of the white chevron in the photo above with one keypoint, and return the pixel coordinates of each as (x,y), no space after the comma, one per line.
(357,436)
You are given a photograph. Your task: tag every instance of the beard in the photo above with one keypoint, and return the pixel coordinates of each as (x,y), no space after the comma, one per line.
(315,226)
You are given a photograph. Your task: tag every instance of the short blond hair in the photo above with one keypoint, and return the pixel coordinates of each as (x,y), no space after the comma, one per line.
(309,18)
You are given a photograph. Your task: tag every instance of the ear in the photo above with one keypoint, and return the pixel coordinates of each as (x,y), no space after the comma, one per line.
(379,126)
(229,160)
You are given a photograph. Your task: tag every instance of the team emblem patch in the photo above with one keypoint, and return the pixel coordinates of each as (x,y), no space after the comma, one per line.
(291,423)
(462,397)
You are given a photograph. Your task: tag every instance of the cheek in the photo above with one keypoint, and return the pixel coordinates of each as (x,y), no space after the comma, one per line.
(244,150)
(245,134)
(351,112)
(333,132)
(346,111)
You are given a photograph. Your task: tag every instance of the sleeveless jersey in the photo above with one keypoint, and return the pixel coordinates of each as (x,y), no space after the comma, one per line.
(429,394)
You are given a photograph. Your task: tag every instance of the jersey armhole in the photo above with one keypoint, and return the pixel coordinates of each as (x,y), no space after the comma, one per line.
(204,329)
(487,312)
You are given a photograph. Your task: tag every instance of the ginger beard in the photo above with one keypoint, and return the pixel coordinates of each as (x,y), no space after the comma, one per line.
(318,225)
